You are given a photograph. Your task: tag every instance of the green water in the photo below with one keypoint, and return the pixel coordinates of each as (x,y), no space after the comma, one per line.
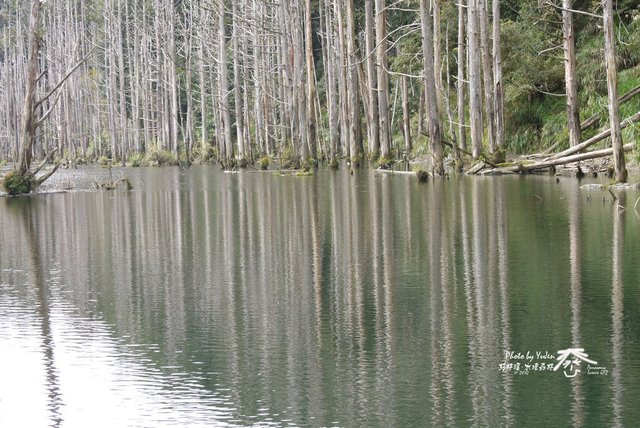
(210,299)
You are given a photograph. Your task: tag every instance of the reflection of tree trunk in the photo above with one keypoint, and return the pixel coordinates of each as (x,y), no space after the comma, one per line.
(435,286)
(228,304)
(355,276)
(441,285)
(449,279)
(503,272)
(483,345)
(575,262)
(472,328)
(386,346)
(44,311)
(617,313)
(472,299)
(485,266)
(315,335)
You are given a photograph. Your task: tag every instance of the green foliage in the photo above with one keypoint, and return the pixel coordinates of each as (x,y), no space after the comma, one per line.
(136,160)
(228,164)
(421,173)
(373,157)
(498,157)
(157,156)
(384,162)
(534,71)
(243,162)
(356,161)
(288,158)
(308,165)
(204,155)
(333,163)
(530,62)
(103,160)
(264,162)
(294,173)
(17,184)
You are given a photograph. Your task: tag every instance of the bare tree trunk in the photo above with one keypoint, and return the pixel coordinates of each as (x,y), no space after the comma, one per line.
(355,143)
(261,136)
(173,82)
(189,137)
(475,84)
(343,76)
(487,74)
(224,86)
(612,88)
(238,85)
(311,82)
(497,77)
(462,129)
(421,108)
(383,79)
(372,81)
(137,91)
(406,117)
(122,101)
(571,83)
(203,102)
(435,127)
(437,48)
(28,121)
(300,93)
(332,96)
(246,113)
(447,98)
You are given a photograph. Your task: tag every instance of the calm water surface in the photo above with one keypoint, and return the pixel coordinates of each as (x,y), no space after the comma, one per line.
(210,299)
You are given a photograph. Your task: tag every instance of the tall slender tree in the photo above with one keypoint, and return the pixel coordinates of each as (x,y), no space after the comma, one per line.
(21,179)
(475,83)
(373,121)
(497,78)
(487,74)
(383,79)
(223,85)
(571,82)
(612,88)
(462,129)
(311,81)
(435,127)
(355,143)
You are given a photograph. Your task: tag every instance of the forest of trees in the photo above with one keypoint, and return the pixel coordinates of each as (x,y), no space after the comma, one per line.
(168,81)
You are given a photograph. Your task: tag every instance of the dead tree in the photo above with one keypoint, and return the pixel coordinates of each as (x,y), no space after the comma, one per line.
(571,83)
(21,179)
(612,88)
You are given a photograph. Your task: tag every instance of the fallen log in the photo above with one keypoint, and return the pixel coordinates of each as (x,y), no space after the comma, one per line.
(548,163)
(586,124)
(455,147)
(623,99)
(596,138)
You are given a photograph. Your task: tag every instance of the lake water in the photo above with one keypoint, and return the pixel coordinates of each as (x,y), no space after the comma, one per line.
(209,299)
